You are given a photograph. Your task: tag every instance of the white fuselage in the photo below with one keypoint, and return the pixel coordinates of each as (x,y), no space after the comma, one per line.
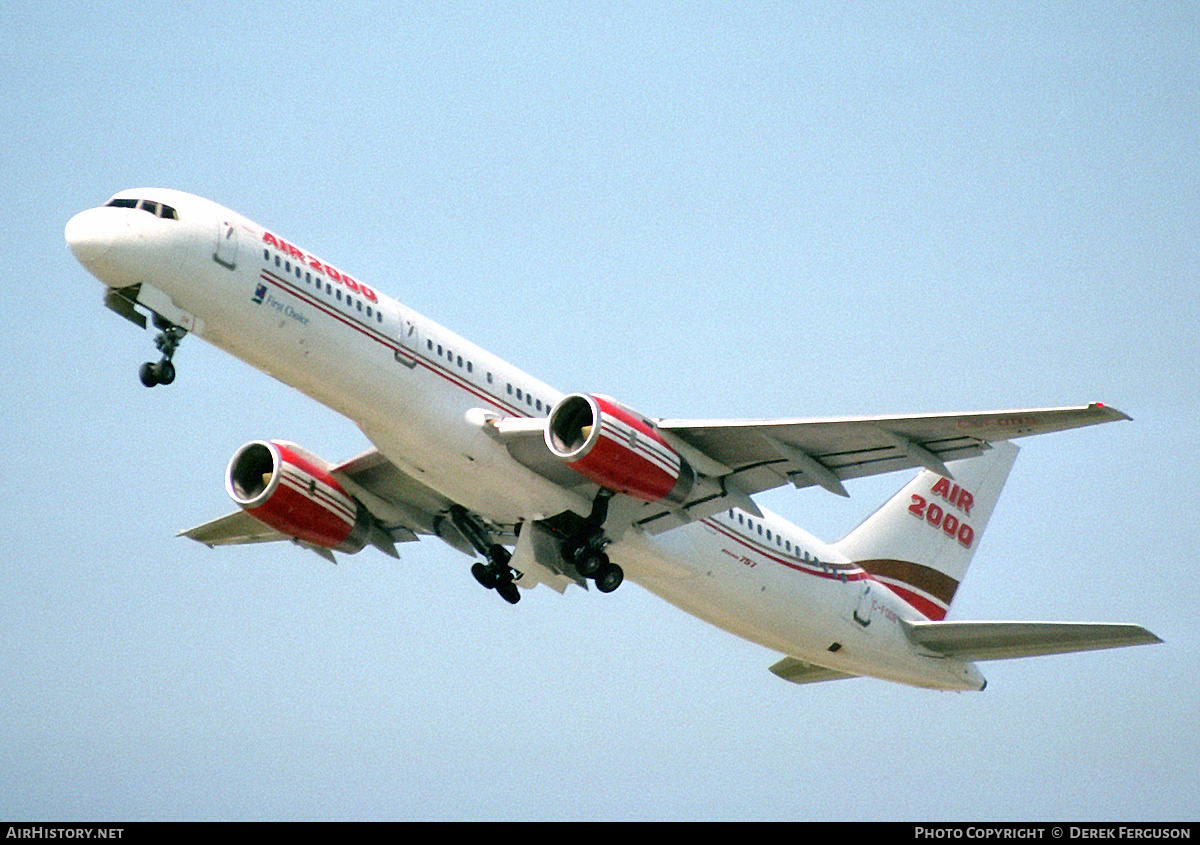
(410,384)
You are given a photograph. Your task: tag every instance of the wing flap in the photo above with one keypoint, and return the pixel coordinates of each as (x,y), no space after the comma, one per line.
(1003,640)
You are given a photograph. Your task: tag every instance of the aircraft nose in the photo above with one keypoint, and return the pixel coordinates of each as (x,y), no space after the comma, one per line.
(88,237)
(92,235)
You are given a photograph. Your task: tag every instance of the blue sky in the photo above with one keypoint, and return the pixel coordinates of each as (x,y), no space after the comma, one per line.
(743,210)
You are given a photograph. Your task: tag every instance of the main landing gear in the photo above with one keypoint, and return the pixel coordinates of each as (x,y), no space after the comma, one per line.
(496,574)
(584,549)
(167,342)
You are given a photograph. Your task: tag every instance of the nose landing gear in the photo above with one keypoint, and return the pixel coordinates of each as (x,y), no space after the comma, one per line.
(167,341)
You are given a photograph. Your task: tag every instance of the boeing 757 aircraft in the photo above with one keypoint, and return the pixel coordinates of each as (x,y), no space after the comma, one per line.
(560,489)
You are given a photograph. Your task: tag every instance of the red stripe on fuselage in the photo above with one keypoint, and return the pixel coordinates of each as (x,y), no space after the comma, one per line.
(836,572)
(298,292)
(929,609)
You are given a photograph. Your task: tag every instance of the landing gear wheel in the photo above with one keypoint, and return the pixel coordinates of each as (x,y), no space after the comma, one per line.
(167,342)
(148,374)
(591,562)
(508,591)
(609,577)
(495,574)
(484,576)
(571,549)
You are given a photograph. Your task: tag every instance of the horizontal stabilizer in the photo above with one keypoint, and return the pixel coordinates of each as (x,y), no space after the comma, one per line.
(1002,640)
(799,672)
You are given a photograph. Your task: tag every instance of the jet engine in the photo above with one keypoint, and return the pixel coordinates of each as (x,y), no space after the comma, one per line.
(288,489)
(616,448)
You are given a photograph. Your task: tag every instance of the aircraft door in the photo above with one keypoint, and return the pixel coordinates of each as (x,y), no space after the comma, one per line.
(225,252)
(862,611)
(410,336)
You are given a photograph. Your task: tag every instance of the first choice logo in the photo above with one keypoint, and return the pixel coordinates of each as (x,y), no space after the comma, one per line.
(936,516)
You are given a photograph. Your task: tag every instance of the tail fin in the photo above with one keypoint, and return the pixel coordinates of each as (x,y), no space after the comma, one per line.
(921,541)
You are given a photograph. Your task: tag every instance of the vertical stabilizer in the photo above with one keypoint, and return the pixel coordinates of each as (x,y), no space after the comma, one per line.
(921,541)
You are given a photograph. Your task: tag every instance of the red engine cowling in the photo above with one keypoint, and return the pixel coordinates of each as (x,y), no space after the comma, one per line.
(617,449)
(285,487)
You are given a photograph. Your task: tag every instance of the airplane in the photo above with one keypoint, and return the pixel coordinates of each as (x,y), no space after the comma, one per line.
(542,487)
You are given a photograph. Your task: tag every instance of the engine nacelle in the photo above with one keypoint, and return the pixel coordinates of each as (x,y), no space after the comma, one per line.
(614,447)
(286,488)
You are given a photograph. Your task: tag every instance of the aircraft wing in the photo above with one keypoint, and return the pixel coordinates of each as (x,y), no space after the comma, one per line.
(1003,640)
(234,529)
(744,457)
(762,454)
(401,506)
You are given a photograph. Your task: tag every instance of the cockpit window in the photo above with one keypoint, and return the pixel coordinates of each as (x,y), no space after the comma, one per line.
(156,208)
